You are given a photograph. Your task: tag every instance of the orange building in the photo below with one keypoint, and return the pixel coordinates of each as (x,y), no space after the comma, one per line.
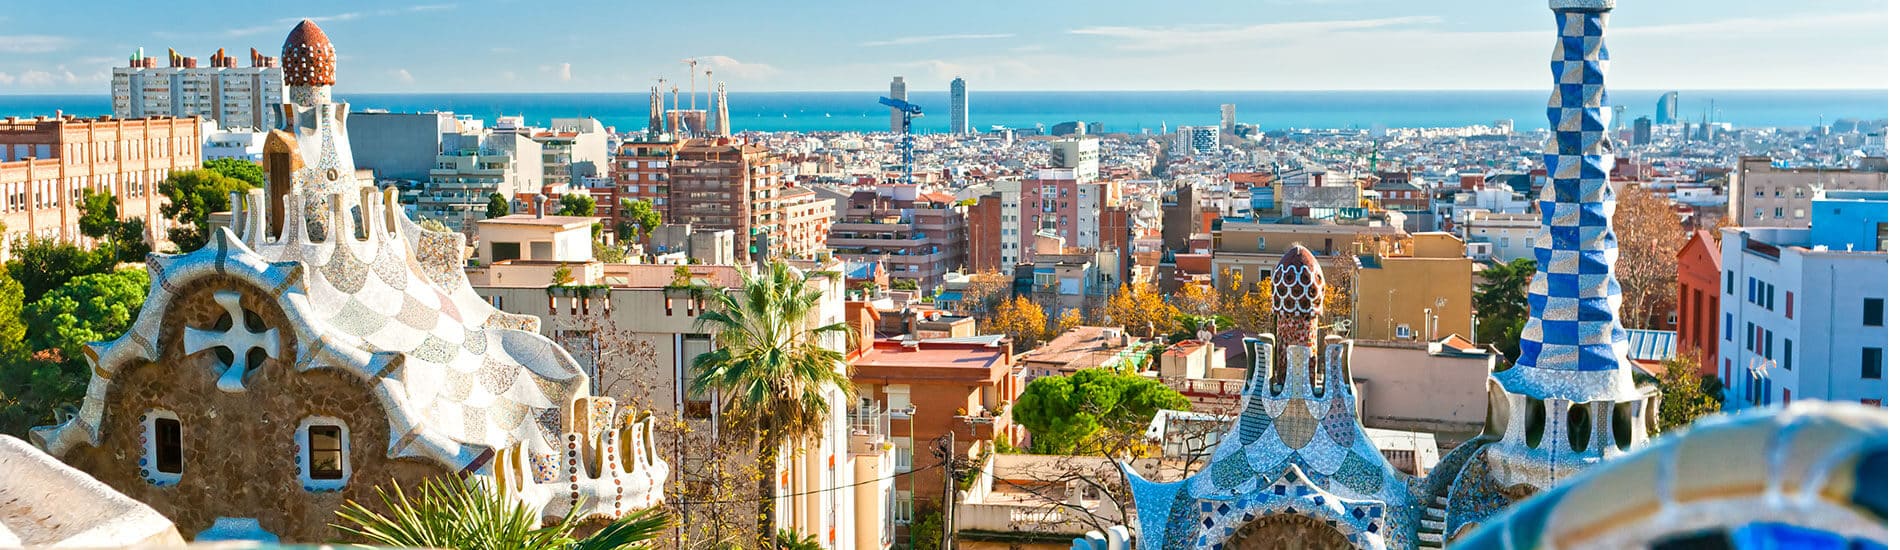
(1698,291)
(935,387)
(47,162)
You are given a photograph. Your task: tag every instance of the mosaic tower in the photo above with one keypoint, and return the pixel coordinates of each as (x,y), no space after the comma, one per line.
(1297,464)
(1570,400)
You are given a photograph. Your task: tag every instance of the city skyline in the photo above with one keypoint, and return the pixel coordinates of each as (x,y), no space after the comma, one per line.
(1272,45)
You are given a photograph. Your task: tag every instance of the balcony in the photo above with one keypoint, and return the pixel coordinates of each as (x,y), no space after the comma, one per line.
(985,425)
(884,241)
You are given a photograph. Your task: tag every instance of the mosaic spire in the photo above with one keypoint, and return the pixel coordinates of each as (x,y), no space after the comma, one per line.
(1573,345)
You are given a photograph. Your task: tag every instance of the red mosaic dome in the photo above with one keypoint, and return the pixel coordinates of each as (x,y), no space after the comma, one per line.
(309,59)
(1298,284)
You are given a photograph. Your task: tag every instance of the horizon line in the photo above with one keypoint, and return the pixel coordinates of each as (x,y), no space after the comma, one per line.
(1197,90)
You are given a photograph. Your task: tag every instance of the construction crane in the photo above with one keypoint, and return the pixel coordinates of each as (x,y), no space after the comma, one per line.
(909,110)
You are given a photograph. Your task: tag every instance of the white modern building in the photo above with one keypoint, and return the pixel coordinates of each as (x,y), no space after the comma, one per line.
(1506,236)
(241,98)
(1804,311)
(1081,154)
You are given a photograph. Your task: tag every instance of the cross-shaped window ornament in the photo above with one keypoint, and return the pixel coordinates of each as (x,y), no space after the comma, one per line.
(240,339)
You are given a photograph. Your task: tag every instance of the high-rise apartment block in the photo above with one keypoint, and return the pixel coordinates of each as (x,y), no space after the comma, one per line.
(1197,140)
(722,183)
(1641,132)
(47,163)
(1761,194)
(640,172)
(919,236)
(222,92)
(1227,119)
(959,107)
(1055,203)
(572,150)
(897,93)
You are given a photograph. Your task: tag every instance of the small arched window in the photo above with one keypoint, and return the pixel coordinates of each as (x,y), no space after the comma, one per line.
(163,460)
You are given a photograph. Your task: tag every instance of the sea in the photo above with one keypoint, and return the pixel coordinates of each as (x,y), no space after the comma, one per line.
(1117,111)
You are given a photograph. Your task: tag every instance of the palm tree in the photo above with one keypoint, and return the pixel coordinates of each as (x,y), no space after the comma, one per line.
(450,513)
(790,540)
(769,362)
(772,365)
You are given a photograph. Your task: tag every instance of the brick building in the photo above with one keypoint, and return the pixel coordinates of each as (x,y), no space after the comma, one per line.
(920,236)
(47,162)
(1698,299)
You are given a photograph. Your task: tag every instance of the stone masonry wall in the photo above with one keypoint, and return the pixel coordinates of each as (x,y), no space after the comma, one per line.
(240,449)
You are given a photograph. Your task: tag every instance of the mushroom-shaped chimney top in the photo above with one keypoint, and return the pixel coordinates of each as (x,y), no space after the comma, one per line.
(1299,287)
(309,59)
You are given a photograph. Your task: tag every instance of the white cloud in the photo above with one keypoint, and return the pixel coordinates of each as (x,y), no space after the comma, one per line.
(1183,37)
(403,76)
(8,79)
(567,72)
(913,40)
(32,43)
(507,75)
(723,65)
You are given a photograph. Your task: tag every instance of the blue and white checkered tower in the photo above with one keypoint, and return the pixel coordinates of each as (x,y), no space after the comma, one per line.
(1570,400)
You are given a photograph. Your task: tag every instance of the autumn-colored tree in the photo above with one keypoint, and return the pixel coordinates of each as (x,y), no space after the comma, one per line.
(1339,286)
(1069,319)
(1648,234)
(986,291)
(1197,299)
(1140,310)
(1022,320)
(1255,313)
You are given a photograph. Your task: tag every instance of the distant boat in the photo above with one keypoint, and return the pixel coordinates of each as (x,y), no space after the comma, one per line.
(827,115)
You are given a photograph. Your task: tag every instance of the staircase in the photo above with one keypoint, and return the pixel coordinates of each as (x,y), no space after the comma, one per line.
(1431,527)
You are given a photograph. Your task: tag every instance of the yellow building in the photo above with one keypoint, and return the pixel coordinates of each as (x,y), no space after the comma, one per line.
(1420,292)
(1250,249)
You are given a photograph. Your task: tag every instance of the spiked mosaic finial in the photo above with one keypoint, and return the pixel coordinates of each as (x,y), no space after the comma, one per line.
(1299,296)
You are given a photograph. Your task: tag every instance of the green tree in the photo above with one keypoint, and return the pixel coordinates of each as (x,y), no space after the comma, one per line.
(1687,394)
(768,359)
(576,204)
(98,214)
(1068,414)
(28,388)
(904,284)
(1502,305)
(90,308)
(451,513)
(637,215)
(788,539)
(99,219)
(497,205)
(41,265)
(191,197)
(236,169)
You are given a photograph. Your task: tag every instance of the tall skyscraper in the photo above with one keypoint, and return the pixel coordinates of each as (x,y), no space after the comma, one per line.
(897,93)
(1640,135)
(1666,108)
(959,107)
(1227,118)
(245,98)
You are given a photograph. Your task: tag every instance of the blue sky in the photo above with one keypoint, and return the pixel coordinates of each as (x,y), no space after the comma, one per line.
(769,45)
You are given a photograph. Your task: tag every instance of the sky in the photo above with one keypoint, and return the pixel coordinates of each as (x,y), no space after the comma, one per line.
(818,45)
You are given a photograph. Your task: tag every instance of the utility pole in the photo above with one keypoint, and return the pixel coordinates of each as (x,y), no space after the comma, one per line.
(946,446)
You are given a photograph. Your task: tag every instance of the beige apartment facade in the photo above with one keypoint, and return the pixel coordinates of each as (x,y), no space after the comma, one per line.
(46,163)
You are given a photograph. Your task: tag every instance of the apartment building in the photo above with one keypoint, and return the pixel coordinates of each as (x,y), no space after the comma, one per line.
(231,97)
(46,163)
(634,329)
(473,166)
(1804,311)
(919,236)
(640,172)
(724,183)
(1764,195)
(1250,249)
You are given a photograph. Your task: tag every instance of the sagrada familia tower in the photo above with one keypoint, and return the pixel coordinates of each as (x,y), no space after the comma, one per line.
(1565,459)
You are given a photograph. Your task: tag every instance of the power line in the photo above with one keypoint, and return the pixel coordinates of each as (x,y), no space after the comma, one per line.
(813,492)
